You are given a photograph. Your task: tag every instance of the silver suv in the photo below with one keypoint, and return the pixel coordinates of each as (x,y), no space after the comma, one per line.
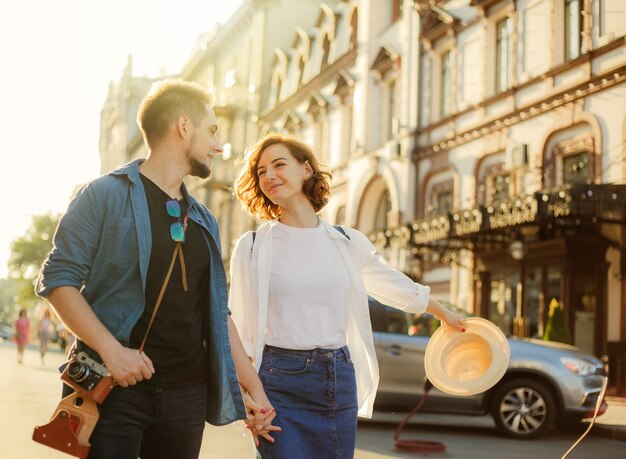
(545,381)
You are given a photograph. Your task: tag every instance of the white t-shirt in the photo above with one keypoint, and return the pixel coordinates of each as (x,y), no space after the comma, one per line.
(308,294)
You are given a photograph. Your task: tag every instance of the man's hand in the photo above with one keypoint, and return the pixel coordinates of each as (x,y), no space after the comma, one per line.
(127,366)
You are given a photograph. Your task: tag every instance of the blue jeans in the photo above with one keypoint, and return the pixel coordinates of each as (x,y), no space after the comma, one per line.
(150,422)
(314,394)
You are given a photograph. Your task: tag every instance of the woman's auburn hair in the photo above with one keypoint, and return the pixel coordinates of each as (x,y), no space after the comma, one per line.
(247,188)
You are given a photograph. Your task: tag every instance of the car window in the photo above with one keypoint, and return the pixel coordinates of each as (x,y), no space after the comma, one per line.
(386,319)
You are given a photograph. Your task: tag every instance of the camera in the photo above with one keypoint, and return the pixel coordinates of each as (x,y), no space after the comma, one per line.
(88,377)
(76,416)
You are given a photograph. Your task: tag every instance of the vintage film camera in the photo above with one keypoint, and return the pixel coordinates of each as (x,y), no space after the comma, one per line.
(76,415)
(88,377)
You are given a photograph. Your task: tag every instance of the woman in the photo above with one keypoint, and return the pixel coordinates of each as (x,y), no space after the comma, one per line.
(44,332)
(299,300)
(22,334)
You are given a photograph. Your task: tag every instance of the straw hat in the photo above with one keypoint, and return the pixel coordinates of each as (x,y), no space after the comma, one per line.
(467,363)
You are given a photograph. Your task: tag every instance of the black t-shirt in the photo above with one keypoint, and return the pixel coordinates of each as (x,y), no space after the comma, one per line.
(175,343)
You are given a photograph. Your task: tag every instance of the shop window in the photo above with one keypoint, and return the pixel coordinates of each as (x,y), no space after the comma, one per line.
(502,309)
(533,306)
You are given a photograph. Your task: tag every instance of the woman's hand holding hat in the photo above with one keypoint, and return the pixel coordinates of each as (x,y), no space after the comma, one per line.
(448,317)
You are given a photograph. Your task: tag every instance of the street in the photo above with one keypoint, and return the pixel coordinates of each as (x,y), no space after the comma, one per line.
(30,392)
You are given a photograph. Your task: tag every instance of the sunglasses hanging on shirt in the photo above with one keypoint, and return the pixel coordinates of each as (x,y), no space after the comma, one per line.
(178,228)
(177,233)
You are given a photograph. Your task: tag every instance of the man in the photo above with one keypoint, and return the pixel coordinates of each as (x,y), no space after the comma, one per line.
(134,239)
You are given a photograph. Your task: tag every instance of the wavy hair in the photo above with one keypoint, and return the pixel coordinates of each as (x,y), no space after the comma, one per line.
(247,188)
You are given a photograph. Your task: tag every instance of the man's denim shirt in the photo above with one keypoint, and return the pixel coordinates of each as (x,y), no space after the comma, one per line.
(102,247)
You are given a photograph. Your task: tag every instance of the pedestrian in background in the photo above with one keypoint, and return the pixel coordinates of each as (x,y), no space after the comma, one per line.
(44,333)
(299,299)
(22,334)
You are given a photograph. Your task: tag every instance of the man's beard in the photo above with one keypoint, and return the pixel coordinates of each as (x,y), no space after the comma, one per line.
(197,168)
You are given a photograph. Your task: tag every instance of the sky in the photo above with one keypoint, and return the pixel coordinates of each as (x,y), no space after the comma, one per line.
(56,61)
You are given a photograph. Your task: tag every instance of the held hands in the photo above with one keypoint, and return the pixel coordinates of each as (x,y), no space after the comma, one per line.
(128,366)
(260,416)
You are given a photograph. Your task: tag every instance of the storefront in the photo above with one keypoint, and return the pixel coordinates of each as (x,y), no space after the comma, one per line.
(527,251)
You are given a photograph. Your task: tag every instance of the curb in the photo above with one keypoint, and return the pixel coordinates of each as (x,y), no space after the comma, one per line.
(609,431)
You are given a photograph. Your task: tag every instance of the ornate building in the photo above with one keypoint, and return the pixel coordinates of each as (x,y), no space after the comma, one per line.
(480,143)
(521,160)
(481,161)
(119,133)
(233,61)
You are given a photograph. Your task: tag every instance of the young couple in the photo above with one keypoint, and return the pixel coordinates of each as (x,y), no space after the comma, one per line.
(134,241)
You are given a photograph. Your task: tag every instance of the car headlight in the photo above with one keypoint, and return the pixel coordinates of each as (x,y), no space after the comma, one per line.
(579,366)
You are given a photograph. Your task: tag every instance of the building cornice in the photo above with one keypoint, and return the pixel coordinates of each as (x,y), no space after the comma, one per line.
(329,74)
(591,86)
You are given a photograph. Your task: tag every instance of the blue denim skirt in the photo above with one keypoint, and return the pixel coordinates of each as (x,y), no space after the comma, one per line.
(314,394)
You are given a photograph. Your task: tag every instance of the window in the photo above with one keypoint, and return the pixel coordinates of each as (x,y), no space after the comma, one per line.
(446,84)
(573,29)
(386,319)
(382,210)
(503,52)
(443,202)
(499,187)
(576,168)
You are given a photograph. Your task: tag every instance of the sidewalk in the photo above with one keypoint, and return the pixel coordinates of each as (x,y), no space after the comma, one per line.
(612,424)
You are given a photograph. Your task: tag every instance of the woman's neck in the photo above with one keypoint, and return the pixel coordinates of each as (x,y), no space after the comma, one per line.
(300,218)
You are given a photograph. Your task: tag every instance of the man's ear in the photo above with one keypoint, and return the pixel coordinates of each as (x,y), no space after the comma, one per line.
(182,125)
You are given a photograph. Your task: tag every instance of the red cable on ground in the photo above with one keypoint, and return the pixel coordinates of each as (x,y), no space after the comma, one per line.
(417,446)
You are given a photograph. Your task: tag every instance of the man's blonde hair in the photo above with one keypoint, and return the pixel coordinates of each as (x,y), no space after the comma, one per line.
(167,100)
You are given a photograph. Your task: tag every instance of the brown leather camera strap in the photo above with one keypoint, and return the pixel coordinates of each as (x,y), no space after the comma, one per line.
(178,251)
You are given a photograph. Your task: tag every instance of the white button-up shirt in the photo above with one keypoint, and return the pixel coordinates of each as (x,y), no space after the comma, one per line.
(369,274)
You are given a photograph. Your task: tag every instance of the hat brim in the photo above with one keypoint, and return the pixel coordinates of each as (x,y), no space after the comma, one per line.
(467,363)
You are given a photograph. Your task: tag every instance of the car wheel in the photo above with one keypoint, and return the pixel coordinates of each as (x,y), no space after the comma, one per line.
(523,408)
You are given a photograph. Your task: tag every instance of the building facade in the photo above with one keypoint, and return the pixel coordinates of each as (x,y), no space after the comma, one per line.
(481,144)
(521,158)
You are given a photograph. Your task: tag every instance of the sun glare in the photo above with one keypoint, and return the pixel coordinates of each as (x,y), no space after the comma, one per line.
(62,60)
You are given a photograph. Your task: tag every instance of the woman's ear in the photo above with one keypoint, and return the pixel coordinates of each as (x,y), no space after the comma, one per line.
(309,170)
